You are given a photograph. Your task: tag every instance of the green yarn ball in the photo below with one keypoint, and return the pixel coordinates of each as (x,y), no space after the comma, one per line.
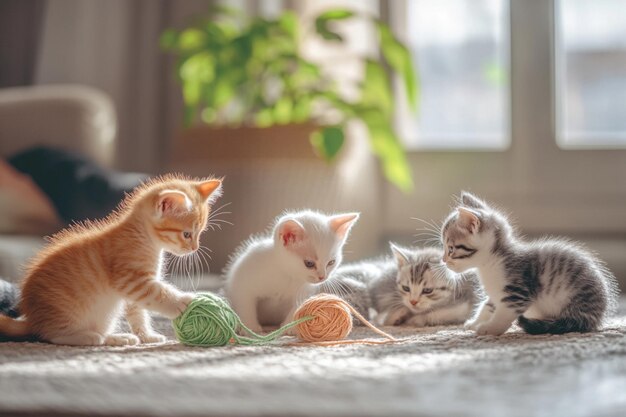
(210,321)
(207,321)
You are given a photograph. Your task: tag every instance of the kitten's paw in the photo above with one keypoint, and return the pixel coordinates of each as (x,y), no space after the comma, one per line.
(470,325)
(121,339)
(184,300)
(488,329)
(152,337)
(396,318)
(417,321)
(179,305)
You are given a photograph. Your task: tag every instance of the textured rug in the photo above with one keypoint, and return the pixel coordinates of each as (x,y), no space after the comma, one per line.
(439,371)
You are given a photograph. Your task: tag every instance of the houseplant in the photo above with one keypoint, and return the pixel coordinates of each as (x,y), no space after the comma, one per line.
(238,71)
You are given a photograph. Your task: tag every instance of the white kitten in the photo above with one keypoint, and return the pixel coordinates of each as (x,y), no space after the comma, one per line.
(269,276)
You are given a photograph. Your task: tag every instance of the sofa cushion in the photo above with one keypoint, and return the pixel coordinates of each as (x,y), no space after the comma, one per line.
(24,208)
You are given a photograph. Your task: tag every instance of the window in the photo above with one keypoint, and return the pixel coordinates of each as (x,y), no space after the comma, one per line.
(461,51)
(591,73)
(564,91)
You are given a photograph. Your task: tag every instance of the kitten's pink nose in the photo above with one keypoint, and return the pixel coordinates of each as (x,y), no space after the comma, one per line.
(321,278)
(413,302)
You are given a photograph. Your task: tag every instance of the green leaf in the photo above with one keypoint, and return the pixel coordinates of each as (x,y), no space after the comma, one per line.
(264,118)
(190,39)
(325,33)
(377,88)
(168,39)
(328,141)
(192,91)
(322,21)
(389,150)
(228,29)
(222,9)
(288,21)
(339,103)
(305,75)
(399,58)
(198,67)
(336,14)
(224,92)
(282,110)
(393,158)
(208,115)
(302,110)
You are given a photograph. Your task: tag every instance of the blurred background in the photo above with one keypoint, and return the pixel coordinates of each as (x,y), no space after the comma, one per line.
(384,107)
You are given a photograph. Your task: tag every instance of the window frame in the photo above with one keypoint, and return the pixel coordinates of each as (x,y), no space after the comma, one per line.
(549,189)
(395,12)
(560,66)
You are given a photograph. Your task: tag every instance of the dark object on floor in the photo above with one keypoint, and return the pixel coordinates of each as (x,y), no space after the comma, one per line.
(9,295)
(79,188)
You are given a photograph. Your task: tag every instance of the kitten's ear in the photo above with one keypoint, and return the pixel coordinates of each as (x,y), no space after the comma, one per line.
(342,223)
(401,258)
(172,202)
(210,190)
(470,200)
(290,232)
(469,219)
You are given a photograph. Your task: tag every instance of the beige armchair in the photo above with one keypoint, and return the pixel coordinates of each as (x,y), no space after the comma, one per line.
(65,116)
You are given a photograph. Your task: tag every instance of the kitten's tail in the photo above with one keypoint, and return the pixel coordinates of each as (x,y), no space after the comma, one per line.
(14,328)
(554,326)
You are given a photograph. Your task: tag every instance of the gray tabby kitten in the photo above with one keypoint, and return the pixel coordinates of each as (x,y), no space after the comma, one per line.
(9,296)
(411,287)
(549,285)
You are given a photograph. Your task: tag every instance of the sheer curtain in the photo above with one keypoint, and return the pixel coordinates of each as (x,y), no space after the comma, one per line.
(20,24)
(113,45)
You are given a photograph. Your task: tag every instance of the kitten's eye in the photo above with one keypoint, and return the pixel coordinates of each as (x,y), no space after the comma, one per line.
(309,264)
(405,288)
(450,250)
(331,263)
(187,235)
(427,290)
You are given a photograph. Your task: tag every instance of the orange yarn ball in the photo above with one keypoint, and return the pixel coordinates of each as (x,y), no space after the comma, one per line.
(331,319)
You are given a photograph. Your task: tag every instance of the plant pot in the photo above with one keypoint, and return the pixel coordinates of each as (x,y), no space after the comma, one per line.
(270,170)
(245,143)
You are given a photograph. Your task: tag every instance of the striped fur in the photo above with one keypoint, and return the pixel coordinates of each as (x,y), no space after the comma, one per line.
(90,274)
(451,301)
(9,295)
(549,285)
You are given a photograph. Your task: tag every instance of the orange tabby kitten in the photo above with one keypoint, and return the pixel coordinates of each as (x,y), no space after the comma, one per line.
(77,287)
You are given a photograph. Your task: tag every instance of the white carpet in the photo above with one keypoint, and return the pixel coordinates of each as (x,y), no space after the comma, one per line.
(442,371)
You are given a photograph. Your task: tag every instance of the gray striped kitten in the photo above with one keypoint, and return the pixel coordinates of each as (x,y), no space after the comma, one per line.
(548,285)
(411,287)
(9,296)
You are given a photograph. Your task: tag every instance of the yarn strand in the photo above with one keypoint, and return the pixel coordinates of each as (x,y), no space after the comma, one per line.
(256,339)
